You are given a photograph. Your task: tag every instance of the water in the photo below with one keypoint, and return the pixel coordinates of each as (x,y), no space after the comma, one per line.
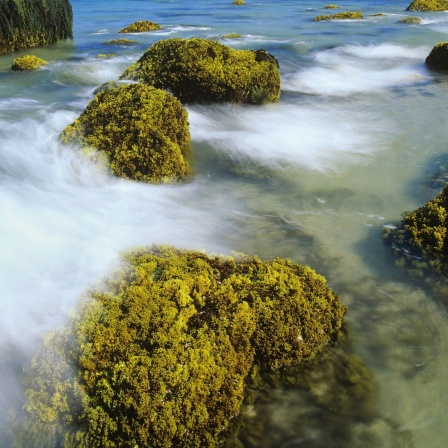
(315,177)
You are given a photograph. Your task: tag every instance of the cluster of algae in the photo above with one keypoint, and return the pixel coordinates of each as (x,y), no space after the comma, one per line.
(137,131)
(421,238)
(28,63)
(162,354)
(141,26)
(204,71)
(30,23)
(428,5)
(354,15)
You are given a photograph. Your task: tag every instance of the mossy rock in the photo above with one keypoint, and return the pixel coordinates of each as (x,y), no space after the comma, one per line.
(141,26)
(161,354)
(106,55)
(231,36)
(204,71)
(411,20)
(122,42)
(341,16)
(27,63)
(331,6)
(428,5)
(239,2)
(421,237)
(141,132)
(30,23)
(438,57)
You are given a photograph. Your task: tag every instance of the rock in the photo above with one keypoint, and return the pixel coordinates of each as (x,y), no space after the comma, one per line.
(203,71)
(341,16)
(438,57)
(27,63)
(30,23)
(141,26)
(411,20)
(137,131)
(428,5)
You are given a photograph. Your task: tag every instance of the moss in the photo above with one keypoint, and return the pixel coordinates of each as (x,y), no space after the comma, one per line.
(30,23)
(105,55)
(199,70)
(141,132)
(141,26)
(411,20)
(428,5)
(239,2)
(126,42)
(232,36)
(438,57)
(421,237)
(340,16)
(26,63)
(161,355)
(331,6)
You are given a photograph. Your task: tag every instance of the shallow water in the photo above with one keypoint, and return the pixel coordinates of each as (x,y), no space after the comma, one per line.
(315,177)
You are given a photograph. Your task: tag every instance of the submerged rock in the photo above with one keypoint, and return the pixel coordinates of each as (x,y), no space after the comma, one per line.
(161,355)
(141,26)
(204,71)
(136,131)
(124,42)
(30,23)
(428,5)
(411,20)
(341,16)
(438,57)
(28,63)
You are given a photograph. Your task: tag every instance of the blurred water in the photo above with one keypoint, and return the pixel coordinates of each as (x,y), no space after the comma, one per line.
(315,177)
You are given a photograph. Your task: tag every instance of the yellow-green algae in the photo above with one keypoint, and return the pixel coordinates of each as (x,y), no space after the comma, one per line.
(141,26)
(122,42)
(421,237)
(204,71)
(428,5)
(341,16)
(28,63)
(30,23)
(331,6)
(231,36)
(161,354)
(142,132)
(438,57)
(239,2)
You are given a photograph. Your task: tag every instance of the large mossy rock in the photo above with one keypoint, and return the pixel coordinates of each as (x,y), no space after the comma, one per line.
(438,57)
(30,23)
(428,5)
(421,237)
(203,71)
(161,354)
(142,133)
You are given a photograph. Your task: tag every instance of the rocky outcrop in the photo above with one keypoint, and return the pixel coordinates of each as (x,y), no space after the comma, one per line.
(438,58)
(428,5)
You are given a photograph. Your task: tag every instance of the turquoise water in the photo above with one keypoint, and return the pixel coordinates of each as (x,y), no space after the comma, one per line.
(357,133)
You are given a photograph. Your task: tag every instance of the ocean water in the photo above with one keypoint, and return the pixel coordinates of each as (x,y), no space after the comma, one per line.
(358,131)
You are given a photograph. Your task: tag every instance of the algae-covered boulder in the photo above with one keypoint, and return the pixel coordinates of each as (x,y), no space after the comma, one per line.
(438,57)
(30,23)
(411,20)
(238,2)
(421,237)
(203,71)
(161,354)
(141,132)
(341,16)
(122,42)
(428,5)
(27,63)
(141,26)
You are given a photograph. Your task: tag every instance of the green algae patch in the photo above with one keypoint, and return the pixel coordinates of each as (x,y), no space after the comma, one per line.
(428,5)
(28,63)
(141,26)
(161,354)
(331,6)
(239,2)
(31,23)
(232,36)
(123,42)
(139,133)
(204,71)
(340,16)
(410,20)
(438,57)
(420,239)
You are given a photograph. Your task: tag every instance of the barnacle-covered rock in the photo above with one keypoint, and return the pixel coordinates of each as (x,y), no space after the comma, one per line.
(438,57)
(27,63)
(141,132)
(161,354)
(204,71)
(428,5)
